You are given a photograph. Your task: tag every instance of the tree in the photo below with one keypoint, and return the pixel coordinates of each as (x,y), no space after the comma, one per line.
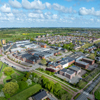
(24,79)
(60,93)
(35,79)
(40,80)
(28,74)
(13,76)
(50,86)
(34,75)
(57,87)
(8,70)
(43,61)
(29,82)
(10,88)
(22,85)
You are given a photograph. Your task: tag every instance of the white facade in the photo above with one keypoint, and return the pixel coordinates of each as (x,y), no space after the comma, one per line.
(65,65)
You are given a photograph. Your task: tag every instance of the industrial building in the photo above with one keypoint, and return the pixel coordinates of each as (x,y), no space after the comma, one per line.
(82,64)
(76,69)
(67,73)
(87,60)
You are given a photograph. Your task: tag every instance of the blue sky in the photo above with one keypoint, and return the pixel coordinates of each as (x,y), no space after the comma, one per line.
(49,13)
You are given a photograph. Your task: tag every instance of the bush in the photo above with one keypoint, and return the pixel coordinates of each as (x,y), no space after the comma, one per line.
(22,85)
(24,79)
(13,76)
(8,71)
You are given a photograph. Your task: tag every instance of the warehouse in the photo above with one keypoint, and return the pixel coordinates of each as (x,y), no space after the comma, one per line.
(82,64)
(90,61)
(67,73)
(17,49)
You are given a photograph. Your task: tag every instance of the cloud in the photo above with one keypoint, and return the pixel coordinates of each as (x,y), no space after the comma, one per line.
(62,8)
(55,16)
(48,5)
(10,15)
(15,4)
(80,0)
(36,4)
(84,11)
(5,8)
(36,15)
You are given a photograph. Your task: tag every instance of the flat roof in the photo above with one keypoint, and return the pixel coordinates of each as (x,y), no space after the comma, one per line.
(88,59)
(75,68)
(68,71)
(81,62)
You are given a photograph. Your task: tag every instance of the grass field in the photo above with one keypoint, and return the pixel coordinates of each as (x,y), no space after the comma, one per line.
(4,65)
(97,93)
(26,93)
(7,78)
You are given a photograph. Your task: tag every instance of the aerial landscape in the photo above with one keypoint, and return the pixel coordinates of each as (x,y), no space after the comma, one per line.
(49,50)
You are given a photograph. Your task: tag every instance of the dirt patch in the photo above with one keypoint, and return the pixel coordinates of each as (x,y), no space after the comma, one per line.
(2,78)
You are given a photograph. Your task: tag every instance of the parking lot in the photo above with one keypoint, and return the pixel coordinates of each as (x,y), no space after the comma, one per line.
(91,67)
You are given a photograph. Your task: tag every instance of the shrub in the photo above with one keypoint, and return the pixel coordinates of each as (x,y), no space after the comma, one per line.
(22,84)
(8,70)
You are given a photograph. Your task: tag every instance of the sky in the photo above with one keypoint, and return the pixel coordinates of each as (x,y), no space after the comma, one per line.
(49,13)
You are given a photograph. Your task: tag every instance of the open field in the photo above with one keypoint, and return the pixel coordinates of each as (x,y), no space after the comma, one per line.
(26,93)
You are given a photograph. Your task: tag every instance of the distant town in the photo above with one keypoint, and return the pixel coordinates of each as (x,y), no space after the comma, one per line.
(50,64)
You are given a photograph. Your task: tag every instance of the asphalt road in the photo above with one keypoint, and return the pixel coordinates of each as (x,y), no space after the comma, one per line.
(85,94)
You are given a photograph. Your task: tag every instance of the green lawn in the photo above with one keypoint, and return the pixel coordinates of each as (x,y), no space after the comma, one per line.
(26,93)
(4,65)
(7,78)
(97,93)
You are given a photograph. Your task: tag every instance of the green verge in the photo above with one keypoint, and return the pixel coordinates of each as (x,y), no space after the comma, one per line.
(77,96)
(4,65)
(26,93)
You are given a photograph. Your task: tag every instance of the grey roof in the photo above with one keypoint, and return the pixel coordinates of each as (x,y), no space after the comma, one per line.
(67,59)
(63,62)
(88,59)
(26,55)
(54,64)
(6,47)
(81,62)
(40,95)
(75,68)
(68,71)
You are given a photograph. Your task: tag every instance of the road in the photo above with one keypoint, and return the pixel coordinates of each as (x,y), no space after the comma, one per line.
(85,94)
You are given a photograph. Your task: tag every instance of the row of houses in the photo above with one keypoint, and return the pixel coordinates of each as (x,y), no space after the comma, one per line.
(63,39)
